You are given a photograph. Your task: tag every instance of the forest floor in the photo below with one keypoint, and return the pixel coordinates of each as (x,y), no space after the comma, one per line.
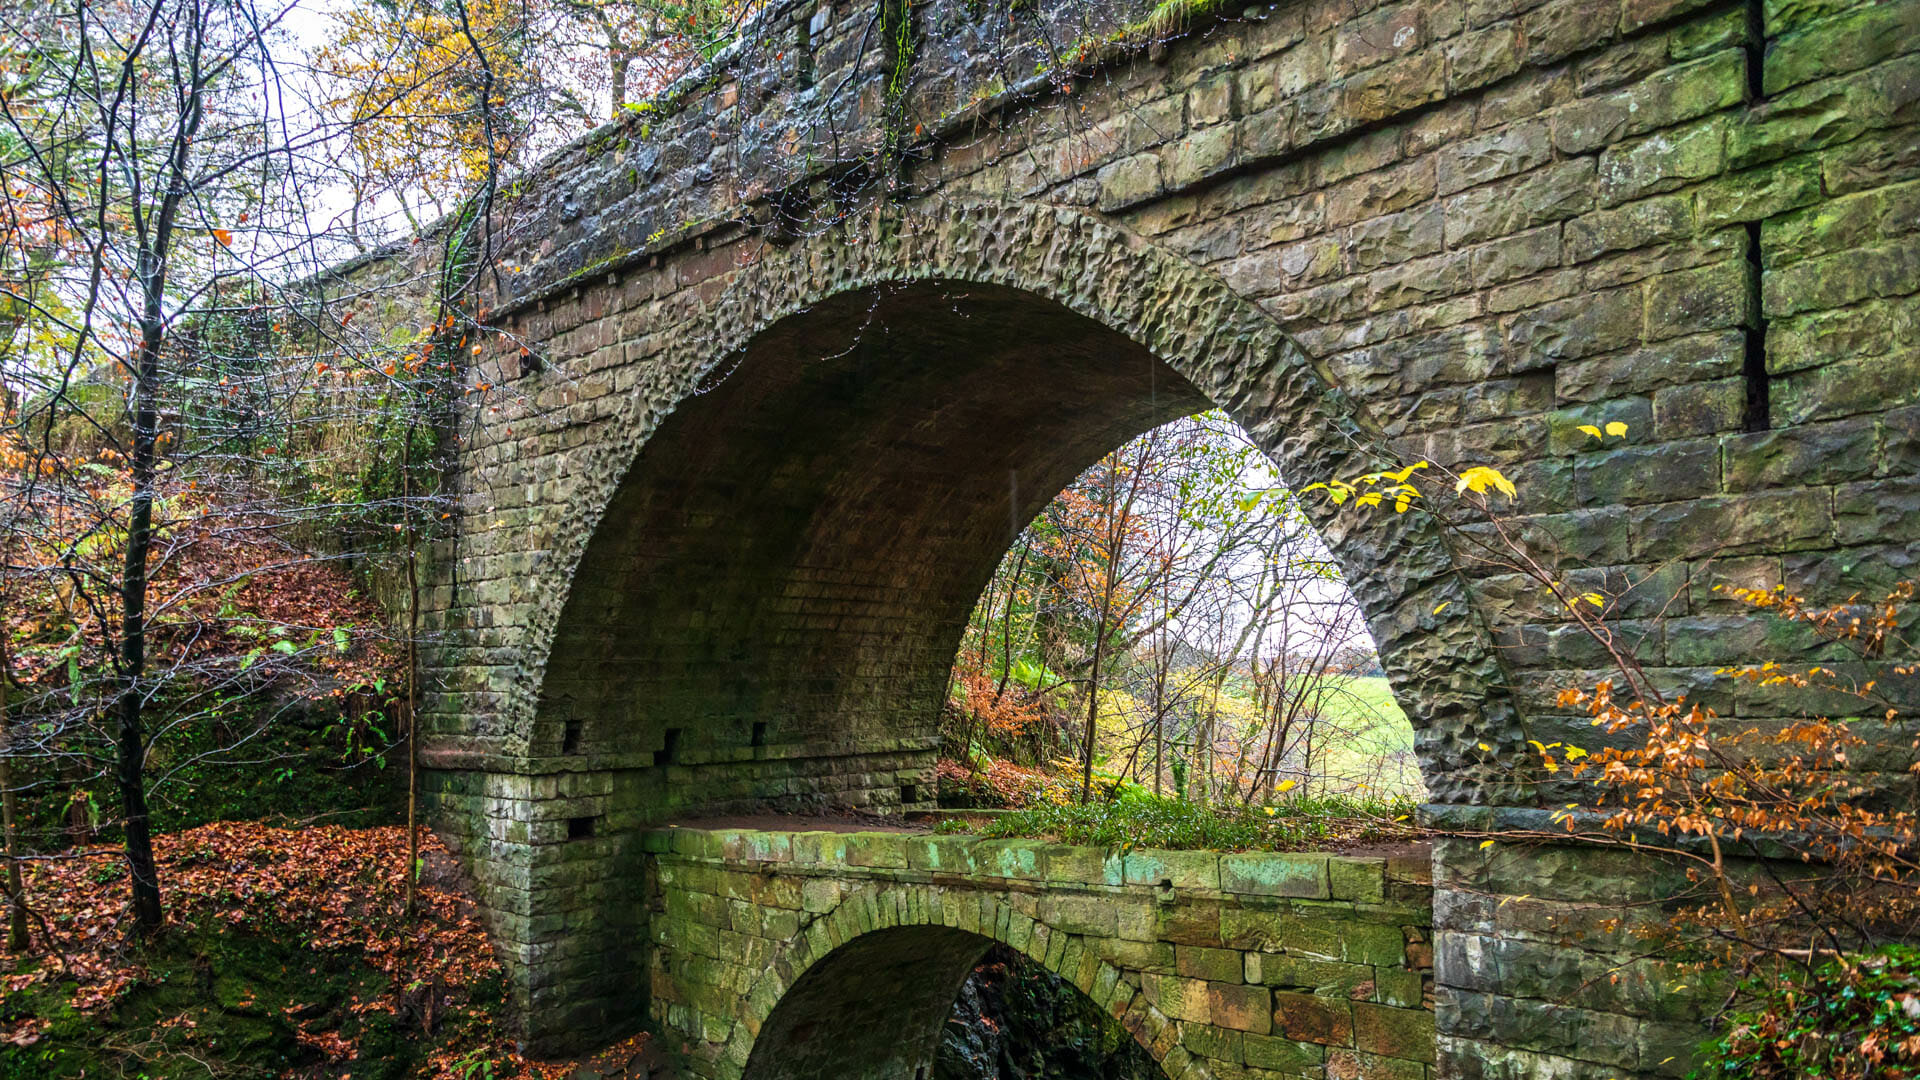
(286,953)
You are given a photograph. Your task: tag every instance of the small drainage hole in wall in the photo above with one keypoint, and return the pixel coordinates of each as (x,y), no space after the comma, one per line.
(669,748)
(579,827)
(909,793)
(760,733)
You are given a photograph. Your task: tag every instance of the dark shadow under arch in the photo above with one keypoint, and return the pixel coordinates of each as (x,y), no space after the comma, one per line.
(766,614)
(873,1009)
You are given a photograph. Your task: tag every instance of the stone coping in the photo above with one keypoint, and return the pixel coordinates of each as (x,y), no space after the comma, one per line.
(1375,879)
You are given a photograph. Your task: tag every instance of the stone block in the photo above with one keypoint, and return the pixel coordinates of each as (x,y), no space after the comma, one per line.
(1804,454)
(1847,388)
(1393,1032)
(1578,327)
(1333,978)
(818,848)
(1866,512)
(1516,148)
(1267,874)
(1090,915)
(1550,193)
(1377,37)
(1190,922)
(1359,879)
(1769,520)
(1635,225)
(1172,869)
(1129,181)
(1018,859)
(1283,1055)
(1381,241)
(1240,1007)
(1757,194)
(1310,1018)
(1156,957)
(1179,998)
(1703,298)
(1659,473)
(1401,988)
(1082,865)
(1208,1041)
(1856,39)
(1663,161)
(942,854)
(1353,1065)
(1216,965)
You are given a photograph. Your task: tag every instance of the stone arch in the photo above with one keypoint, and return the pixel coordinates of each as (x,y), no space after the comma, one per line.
(938,936)
(1219,347)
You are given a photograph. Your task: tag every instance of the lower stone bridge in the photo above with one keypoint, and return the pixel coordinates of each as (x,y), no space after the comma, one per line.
(798,955)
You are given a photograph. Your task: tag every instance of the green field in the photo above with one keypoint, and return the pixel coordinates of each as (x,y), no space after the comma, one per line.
(1377,747)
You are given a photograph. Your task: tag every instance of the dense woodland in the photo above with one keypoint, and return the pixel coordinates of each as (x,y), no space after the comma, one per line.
(216,494)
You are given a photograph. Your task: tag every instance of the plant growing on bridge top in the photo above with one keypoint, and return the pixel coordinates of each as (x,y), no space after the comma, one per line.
(1133,817)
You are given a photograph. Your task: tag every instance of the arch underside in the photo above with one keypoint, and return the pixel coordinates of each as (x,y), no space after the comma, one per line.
(785,574)
(874,1009)
(766,586)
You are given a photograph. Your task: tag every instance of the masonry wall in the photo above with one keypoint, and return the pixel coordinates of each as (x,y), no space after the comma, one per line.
(1253,966)
(1486,223)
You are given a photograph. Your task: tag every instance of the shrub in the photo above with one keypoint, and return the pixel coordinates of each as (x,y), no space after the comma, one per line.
(1850,1019)
(1136,818)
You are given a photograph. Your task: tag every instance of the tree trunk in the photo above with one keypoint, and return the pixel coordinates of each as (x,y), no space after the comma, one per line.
(9,816)
(413,677)
(130,746)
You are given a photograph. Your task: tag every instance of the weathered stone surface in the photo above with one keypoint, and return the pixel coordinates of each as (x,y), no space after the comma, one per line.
(1480,225)
(873,952)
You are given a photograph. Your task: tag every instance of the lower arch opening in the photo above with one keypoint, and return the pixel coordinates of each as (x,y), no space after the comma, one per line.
(937,1003)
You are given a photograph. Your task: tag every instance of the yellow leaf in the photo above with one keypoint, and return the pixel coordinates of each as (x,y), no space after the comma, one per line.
(1444,604)
(1287,785)
(1616,428)
(1480,477)
(1594,598)
(1591,430)
(1485,844)
(1484,746)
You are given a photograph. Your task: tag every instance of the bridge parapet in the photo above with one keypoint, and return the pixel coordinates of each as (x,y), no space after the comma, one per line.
(816,954)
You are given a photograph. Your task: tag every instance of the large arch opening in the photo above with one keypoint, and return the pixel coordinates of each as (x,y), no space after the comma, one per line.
(927,1003)
(766,614)
(1176,606)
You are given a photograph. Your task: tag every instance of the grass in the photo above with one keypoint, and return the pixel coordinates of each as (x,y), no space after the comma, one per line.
(1378,729)
(1139,819)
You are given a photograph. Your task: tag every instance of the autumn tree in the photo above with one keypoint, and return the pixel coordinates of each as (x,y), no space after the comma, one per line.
(1176,602)
(158,174)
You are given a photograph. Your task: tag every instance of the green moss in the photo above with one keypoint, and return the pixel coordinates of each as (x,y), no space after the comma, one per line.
(1171,18)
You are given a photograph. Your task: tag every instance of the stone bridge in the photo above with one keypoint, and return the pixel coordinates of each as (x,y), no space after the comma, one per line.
(837,956)
(776,366)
